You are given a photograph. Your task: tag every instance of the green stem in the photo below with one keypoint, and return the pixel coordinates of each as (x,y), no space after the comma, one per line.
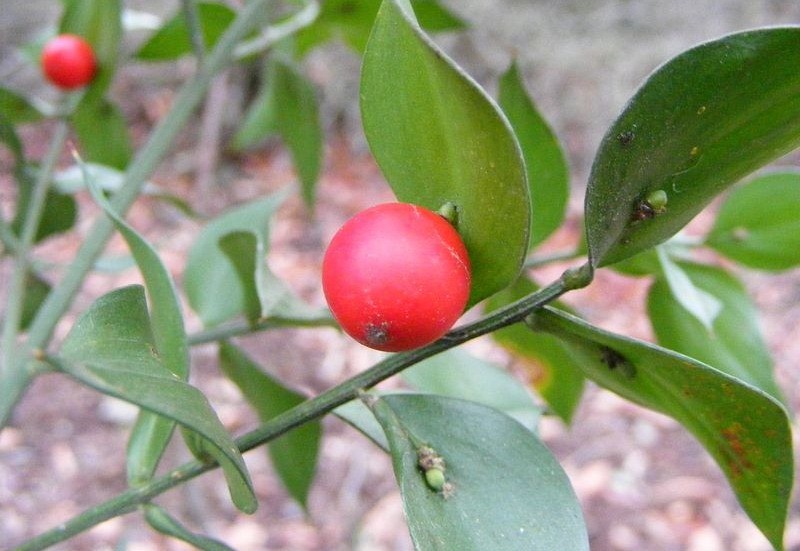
(279,31)
(243,327)
(300,414)
(16,289)
(189,8)
(143,165)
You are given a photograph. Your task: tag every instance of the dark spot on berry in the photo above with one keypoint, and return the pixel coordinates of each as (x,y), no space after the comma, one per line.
(376,334)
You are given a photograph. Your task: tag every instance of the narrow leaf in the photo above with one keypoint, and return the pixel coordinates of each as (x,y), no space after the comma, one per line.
(703,306)
(759,226)
(745,430)
(287,105)
(439,138)
(502,489)
(36,291)
(548,175)
(734,344)
(100,23)
(151,434)
(701,122)
(16,109)
(102,133)
(294,455)
(211,282)
(172,40)
(458,374)
(554,373)
(111,348)
(162,521)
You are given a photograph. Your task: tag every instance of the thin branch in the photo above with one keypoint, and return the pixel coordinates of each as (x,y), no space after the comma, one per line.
(192,16)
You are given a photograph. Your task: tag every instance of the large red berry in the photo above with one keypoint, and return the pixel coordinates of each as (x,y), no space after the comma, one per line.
(68,61)
(396,276)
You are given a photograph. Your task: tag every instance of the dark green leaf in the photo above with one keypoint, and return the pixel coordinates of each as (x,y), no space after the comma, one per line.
(351,22)
(36,291)
(733,344)
(172,40)
(294,455)
(211,282)
(287,105)
(759,224)
(152,433)
(162,521)
(548,175)
(100,23)
(102,133)
(458,374)
(504,489)
(16,108)
(702,121)
(265,296)
(746,431)
(554,373)
(111,348)
(59,215)
(438,138)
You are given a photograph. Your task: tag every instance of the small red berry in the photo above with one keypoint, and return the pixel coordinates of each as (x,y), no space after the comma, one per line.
(396,276)
(68,61)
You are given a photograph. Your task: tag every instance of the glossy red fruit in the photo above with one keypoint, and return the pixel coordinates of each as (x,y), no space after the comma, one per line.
(68,61)
(396,276)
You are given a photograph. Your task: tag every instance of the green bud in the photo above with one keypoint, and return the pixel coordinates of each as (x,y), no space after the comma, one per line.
(435,479)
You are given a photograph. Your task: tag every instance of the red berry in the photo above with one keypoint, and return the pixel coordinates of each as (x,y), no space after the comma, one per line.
(396,276)
(68,61)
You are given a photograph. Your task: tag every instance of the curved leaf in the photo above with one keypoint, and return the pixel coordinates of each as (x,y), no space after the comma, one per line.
(294,455)
(506,491)
(160,520)
(439,138)
(152,433)
(698,124)
(16,108)
(554,373)
(759,223)
(746,431)
(548,175)
(732,344)
(111,348)
(211,282)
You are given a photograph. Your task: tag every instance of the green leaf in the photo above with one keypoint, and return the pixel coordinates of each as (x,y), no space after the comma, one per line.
(702,306)
(358,416)
(548,175)
(506,491)
(16,108)
(458,374)
(294,455)
(211,282)
(733,344)
(439,138)
(152,433)
(351,22)
(758,225)
(111,348)
(59,215)
(554,373)
(745,430)
(100,23)
(698,124)
(36,291)
(287,105)
(265,296)
(162,521)
(172,40)
(102,133)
